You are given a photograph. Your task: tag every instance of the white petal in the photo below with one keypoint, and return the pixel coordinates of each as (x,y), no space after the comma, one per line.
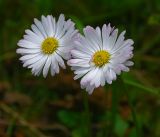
(60,61)
(28,51)
(60,25)
(119,40)
(46,25)
(89,76)
(29,56)
(78,76)
(46,67)
(54,64)
(65,55)
(85,50)
(112,38)
(52,71)
(90,89)
(129,63)
(78,62)
(106,30)
(91,36)
(37,31)
(32,60)
(82,70)
(38,66)
(28,45)
(50,25)
(96,78)
(53,25)
(79,54)
(102,78)
(99,33)
(68,25)
(40,27)
(126,43)
(33,39)
(31,33)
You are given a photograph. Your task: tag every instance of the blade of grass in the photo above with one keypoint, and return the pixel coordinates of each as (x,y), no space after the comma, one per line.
(135,84)
(22,121)
(11,128)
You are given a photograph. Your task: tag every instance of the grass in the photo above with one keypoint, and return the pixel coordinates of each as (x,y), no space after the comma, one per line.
(54,107)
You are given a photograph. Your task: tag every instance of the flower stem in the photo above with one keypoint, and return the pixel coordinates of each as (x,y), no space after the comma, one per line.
(138,131)
(87,114)
(114,106)
(112,118)
(134,115)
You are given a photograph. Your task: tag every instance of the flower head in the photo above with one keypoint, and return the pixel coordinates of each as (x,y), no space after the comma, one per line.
(46,45)
(100,55)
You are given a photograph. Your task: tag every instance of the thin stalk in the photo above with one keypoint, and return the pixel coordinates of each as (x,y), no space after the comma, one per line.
(11,127)
(87,113)
(138,131)
(115,89)
(108,131)
(134,115)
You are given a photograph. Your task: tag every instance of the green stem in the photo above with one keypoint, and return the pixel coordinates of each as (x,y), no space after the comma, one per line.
(132,110)
(134,115)
(109,128)
(87,113)
(114,106)
(11,127)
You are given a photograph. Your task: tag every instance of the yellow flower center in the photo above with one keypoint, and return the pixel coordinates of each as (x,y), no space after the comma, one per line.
(101,57)
(49,45)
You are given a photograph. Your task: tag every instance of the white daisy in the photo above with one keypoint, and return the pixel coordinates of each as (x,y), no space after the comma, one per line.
(100,55)
(44,46)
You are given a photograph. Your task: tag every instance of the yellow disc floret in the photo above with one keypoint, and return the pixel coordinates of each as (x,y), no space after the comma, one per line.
(49,45)
(101,58)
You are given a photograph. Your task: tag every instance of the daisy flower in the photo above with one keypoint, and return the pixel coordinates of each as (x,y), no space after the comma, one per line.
(46,44)
(100,55)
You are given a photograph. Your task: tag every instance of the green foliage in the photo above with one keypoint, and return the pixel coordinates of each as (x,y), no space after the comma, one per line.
(130,80)
(36,107)
(120,126)
(70,119)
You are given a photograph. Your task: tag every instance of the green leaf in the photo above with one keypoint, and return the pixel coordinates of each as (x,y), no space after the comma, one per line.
(133,133)
(78,23)
(154,19)
(68,118)
(79,132)
(120,126)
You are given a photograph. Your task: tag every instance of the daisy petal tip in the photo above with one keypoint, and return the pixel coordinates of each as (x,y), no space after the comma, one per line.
(18,51)
(124,32)
(35,20)
(61,14)
(75,78)
(130,41)
(43,17)
(69,62)
(45,75)
(89,92)
(24,65)
(132,64)
(89,29)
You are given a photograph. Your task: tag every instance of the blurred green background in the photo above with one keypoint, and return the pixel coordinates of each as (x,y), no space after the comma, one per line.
(56,107)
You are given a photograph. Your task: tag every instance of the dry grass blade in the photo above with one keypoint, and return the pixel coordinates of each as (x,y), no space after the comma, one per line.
(22,121)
